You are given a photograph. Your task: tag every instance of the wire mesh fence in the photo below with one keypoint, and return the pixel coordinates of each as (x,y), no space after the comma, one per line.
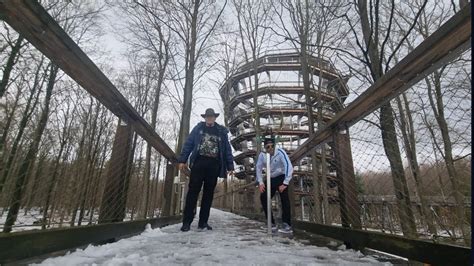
(423,188)
(88,167)
(67,158)
(407,173)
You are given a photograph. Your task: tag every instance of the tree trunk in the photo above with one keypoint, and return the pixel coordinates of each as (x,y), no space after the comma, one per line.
(408,133)
(62,194)
(31,154)
(189,80)
(6,129)
(392,150)
(80,165)
(438,109)
(30,106)
(52,184)
(9,65)
(320,104)
(317,182)
(89,169)
(187,103)
(387,125)
(89,180)
(253,194)
(97,169)
(154,114)
(95,191)
(32,196)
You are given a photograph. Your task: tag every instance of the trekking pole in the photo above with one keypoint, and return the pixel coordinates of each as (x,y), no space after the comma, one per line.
(269,203)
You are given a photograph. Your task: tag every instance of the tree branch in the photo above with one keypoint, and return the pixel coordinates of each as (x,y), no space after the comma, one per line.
(387,65)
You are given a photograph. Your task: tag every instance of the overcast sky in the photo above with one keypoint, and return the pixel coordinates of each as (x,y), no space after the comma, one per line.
(209,97)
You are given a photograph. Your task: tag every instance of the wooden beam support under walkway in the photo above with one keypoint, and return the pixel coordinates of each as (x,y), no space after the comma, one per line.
(414,249)
(30,19)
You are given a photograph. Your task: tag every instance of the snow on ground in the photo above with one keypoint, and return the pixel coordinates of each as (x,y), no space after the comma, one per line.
(235,240)
(33,218)
(23,222)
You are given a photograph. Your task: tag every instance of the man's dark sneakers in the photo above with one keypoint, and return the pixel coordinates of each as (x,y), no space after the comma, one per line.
(185,227)
(204,226)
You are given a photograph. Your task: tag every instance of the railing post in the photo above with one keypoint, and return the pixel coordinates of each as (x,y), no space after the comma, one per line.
(112,208)
(349,204)
(292,195)
(225,204)
(168,190)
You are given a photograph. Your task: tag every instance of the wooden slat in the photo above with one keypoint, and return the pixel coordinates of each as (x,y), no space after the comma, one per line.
(447,43)
(22,245)
(31,20)
(419,250)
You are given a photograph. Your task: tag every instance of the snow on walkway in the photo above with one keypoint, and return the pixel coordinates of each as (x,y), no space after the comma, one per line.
(235,240)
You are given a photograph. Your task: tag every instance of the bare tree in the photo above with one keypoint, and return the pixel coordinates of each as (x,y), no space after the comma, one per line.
(80,163)
(227,65)
(427,23)
(254,18)
(12,58)
(64,137)
(307,25)
(9,115)
(193,23)
(31,153)
(376,25)
(153,43)
(32,100)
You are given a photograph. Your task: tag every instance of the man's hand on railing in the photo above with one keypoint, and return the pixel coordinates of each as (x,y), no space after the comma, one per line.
(182,166)
(184,169)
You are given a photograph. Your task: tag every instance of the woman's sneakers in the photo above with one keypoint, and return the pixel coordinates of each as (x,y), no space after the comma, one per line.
(274,227)
(286,228)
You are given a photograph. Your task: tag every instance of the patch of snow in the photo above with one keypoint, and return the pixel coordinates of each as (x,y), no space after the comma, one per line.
(235,240)
(342,247)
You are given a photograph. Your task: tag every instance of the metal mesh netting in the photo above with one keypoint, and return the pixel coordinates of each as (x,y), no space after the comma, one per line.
(87,169)
(66,160)
(423,190)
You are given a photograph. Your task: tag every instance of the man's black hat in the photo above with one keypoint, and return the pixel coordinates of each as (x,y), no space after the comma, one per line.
(210,112)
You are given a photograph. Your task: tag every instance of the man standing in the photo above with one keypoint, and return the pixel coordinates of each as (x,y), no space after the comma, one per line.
(209,154)
(281,172)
